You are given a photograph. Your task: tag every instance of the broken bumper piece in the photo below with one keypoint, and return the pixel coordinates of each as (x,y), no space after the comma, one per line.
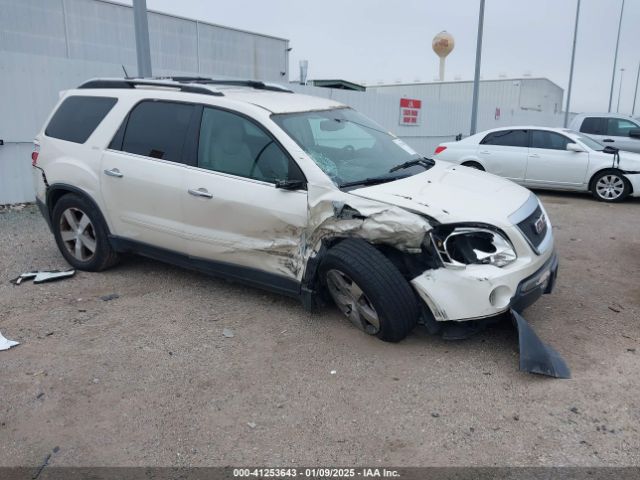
(535,355)
(43,276)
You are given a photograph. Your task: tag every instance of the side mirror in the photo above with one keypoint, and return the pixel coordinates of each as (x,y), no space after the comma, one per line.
(290,184)
(634,133)
(574,147)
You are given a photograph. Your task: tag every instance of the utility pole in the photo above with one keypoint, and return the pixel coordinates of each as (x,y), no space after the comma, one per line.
(635,95)
(476,77)
(615,58)
(573,58)
(620,90)
(141,25)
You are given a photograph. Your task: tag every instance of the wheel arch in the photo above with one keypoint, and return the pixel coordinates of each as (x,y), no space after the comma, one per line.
(57,190)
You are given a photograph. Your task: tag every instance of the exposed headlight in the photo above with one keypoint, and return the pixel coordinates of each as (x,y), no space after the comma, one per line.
(461,246)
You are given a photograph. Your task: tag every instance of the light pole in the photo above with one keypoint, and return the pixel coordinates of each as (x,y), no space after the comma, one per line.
(476,77)
(620,90)
(573,57)
(635,95)
(141,25)
(615,58)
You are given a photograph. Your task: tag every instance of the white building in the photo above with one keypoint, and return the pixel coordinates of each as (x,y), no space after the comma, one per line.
(509,95)
(51,45)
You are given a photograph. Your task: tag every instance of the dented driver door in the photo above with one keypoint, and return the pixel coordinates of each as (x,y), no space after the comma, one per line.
(235,216)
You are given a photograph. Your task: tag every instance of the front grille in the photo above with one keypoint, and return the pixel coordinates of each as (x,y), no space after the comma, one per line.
(534,234)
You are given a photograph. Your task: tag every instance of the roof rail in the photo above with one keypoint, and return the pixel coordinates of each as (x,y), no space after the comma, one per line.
(134,82)
(257,84)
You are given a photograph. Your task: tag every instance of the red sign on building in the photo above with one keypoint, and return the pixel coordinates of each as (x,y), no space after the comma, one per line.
(410,111)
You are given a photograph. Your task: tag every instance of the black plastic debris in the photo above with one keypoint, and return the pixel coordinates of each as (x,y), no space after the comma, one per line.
(535,355)
(43,276)
(111,296)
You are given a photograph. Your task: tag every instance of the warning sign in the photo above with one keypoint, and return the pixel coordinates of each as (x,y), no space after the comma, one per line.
(410,111)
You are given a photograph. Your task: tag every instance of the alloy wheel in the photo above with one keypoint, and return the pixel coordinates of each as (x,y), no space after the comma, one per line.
(352,301)
(610,187)
(78,234)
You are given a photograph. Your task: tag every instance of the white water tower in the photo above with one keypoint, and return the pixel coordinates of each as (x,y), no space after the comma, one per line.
(443,44)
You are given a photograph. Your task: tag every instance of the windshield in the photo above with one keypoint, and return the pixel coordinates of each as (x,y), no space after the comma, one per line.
(591,143)
(349,147)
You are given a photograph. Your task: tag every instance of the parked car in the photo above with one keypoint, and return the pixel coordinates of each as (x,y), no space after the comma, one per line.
(549,158)
(296,194)
(612,129)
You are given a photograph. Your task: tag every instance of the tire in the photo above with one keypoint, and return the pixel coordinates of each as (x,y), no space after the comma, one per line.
(369,282)
(475,165)
(610,186)
(72,208)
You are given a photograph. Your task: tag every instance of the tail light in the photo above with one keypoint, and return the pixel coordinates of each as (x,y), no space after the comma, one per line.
(439,149)
(34,154)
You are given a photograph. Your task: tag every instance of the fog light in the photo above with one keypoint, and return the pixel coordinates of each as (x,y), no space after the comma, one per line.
(500,296)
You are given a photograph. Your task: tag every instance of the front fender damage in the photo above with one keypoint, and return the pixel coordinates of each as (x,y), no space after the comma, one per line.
(535,355)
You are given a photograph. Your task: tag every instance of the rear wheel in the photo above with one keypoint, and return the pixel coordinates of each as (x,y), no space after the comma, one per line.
(610,186)
(369,290)
(81,234)
(475,165)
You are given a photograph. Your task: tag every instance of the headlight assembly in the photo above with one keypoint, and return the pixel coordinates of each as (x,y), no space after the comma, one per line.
(464,245)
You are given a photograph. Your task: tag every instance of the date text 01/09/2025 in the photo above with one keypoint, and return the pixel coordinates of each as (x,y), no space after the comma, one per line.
(315,472)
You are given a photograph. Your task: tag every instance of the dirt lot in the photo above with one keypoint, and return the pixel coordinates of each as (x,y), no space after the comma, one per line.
(149,379)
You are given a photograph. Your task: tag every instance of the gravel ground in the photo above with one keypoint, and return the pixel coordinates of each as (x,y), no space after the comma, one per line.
(149,378)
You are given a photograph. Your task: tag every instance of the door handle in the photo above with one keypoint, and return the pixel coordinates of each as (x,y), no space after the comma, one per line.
(114,172)
(534,155)
(200,192)
(608,140)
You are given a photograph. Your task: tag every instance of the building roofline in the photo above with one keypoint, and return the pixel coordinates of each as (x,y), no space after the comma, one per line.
(464,81)
(180,17)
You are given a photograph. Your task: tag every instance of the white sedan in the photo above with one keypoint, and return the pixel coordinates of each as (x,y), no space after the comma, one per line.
(549,158)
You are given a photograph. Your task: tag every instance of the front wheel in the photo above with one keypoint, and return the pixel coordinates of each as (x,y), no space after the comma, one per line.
(610,186)
(369,290)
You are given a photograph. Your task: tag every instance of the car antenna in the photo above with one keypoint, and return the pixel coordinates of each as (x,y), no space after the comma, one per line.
(126,75)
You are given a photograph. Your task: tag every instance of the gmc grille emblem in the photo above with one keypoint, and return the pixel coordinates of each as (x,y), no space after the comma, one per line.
(540,224)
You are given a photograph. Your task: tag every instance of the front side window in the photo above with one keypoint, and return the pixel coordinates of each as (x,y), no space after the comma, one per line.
(158,129)
(594,126)
(348,147)
(619,127)
(78,116)
(233,144)
(548,140)
(507,138)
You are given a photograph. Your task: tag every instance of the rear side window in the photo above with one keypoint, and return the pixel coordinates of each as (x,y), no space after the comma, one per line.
(594,126)
(77,117)
(158,129)
(507,138)
(548,140)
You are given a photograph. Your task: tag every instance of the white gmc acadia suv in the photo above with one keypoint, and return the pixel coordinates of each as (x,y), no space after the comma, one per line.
(296,194)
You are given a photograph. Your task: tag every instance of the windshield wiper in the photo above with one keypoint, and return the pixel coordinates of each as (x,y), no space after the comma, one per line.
(372,180)
(427,163)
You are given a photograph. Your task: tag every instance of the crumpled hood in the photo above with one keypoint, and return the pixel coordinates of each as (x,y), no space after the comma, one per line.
(453,193)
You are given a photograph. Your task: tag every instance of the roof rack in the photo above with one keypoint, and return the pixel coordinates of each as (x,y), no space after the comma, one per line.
(134,82)
(257,84)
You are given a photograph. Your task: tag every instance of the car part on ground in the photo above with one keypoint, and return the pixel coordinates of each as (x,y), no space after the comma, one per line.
(43,276)
(6,344)
(535,355)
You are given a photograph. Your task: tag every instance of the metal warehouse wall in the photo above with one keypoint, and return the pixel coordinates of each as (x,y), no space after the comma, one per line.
(526,94)
(51,45)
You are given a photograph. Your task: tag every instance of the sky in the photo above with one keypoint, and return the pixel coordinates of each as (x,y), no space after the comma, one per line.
(373,41)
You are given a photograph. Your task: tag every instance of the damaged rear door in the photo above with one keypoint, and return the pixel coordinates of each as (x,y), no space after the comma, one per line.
(245,202)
